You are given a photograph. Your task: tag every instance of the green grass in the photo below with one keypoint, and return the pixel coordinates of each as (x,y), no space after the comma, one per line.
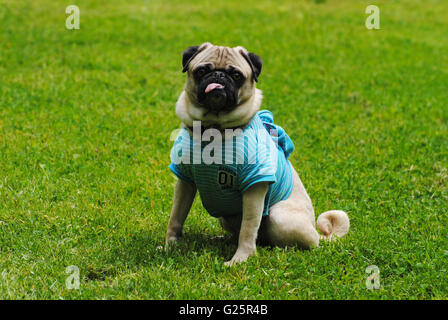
(85,120)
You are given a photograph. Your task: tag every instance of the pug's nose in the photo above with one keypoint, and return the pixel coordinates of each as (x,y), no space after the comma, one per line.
(219,75)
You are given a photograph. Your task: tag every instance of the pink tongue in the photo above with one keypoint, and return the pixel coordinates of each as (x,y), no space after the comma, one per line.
(213,86)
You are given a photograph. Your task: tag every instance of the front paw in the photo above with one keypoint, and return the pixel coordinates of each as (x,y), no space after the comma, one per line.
(239,256)
(171,240)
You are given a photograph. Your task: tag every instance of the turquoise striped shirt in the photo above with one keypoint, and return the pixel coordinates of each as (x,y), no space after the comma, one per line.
(228,165)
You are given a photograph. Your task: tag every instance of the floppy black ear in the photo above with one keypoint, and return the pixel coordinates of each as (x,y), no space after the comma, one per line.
(255,63)
(188,55)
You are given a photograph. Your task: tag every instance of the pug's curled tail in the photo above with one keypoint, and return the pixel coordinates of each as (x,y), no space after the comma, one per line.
(333,223)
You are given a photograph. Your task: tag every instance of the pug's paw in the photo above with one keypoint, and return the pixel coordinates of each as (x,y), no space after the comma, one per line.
(171,241)
(239,256)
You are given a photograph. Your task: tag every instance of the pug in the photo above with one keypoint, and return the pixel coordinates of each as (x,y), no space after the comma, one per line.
(255,192)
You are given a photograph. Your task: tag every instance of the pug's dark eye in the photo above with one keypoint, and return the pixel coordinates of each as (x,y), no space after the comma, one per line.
(237,76)
(200,71)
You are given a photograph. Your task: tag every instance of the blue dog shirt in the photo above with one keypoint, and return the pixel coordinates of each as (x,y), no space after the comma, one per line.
(228,165)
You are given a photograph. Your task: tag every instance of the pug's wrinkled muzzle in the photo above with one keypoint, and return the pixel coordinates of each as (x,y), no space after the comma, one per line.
(215,96)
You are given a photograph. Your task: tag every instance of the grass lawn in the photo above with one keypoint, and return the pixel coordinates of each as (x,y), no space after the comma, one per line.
(85,121)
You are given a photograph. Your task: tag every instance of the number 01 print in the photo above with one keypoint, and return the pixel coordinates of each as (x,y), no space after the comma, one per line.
(225,178)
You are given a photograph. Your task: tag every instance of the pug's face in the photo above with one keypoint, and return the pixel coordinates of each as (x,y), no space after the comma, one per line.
(217,88)
(220,88)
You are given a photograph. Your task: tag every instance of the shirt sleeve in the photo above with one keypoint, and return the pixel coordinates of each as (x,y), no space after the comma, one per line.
(260,163)
(182,171)
(178,166)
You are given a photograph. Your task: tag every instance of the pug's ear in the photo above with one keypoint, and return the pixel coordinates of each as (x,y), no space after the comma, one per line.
(190,53)
(254,62)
